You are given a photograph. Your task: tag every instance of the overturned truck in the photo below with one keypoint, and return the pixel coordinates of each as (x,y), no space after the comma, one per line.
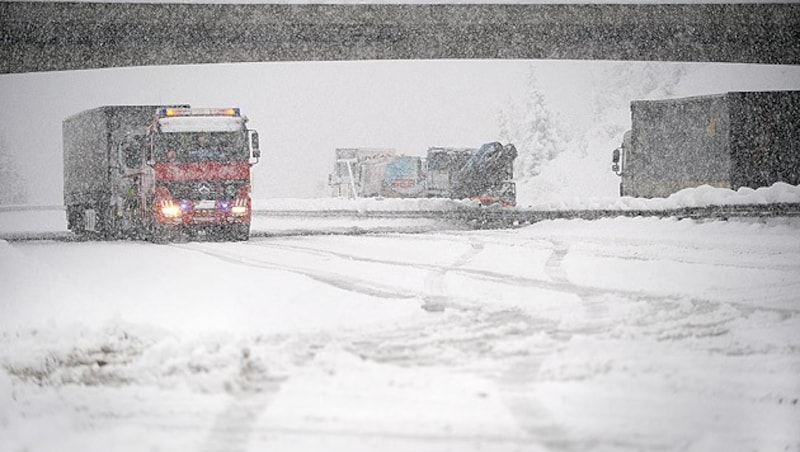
(484,174)
(376,173)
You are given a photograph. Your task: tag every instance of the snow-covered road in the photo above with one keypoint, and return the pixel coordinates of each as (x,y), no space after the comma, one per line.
(616,334)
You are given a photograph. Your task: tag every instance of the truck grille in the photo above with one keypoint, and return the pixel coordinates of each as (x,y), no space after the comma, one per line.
(210,189)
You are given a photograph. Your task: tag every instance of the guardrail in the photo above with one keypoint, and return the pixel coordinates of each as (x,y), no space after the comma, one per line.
(511,217)
(515,214)
(472,217)
(24,208)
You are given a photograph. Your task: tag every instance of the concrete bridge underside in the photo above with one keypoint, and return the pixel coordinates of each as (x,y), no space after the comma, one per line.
(65,36)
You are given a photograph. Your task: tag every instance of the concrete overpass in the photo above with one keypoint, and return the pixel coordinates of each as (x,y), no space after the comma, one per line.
(38,36)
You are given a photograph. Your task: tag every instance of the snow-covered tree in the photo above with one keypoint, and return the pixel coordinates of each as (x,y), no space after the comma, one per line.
(618,84)
(533,128)
(554,166)
(12,185)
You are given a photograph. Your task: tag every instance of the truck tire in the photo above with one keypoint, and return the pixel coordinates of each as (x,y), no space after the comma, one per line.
(236,233)
(162,234)
(241,232)
(78,222)
(75,219)
(106,228)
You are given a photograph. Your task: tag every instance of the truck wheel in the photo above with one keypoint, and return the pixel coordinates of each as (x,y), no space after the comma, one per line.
(107,227)
(86,222)
(75,219)
(239,232)
(77,223)
(162,234)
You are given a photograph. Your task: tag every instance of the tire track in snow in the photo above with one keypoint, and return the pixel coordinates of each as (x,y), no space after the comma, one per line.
(597,314)
(437,297)
(461,336)
(595,299)
(472,333)
(667,316)
(475,332)
(556,283)
(558,280)
(554,267)
(252,392)
(349,283)
(517,388)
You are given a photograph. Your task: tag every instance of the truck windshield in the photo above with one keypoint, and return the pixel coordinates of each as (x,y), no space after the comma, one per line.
(201,147)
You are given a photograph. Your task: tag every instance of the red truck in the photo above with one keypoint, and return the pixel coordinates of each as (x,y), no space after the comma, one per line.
(158,172)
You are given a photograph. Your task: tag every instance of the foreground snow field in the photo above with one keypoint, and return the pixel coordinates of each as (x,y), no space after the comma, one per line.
(617,334)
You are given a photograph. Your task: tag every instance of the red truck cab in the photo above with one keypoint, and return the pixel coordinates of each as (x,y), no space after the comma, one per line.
(199,160)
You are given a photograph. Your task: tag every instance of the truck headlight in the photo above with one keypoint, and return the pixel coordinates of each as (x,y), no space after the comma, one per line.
(171,210)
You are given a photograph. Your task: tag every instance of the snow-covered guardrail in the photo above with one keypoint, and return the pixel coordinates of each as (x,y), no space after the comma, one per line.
(26,224)
(511,217)
(26,208)
(498,218)
(779,200)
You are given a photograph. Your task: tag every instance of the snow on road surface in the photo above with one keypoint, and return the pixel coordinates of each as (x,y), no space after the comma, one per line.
(616,334)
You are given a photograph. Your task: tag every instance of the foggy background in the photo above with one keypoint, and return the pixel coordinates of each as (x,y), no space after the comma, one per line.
(304,111)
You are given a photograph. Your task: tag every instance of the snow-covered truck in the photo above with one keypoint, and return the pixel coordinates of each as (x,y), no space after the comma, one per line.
(158,172)
(484,174)
(730,140)
(359,172)
(487,176)
(376,173)
(442,165)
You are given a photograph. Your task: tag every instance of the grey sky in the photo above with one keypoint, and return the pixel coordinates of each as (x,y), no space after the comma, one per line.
(305,110)
(302,110)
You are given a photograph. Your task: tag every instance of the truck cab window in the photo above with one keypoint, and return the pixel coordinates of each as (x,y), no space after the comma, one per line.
(189,147)
(132,152)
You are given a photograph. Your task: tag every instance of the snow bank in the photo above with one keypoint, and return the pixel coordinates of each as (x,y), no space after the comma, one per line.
(580,174)
(690,197)
(5,398)
(702,196)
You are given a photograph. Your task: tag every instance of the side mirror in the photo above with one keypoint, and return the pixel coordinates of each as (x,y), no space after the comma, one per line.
(132,152)
(254,144)
(133,158)
(615,167)
(149,146)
